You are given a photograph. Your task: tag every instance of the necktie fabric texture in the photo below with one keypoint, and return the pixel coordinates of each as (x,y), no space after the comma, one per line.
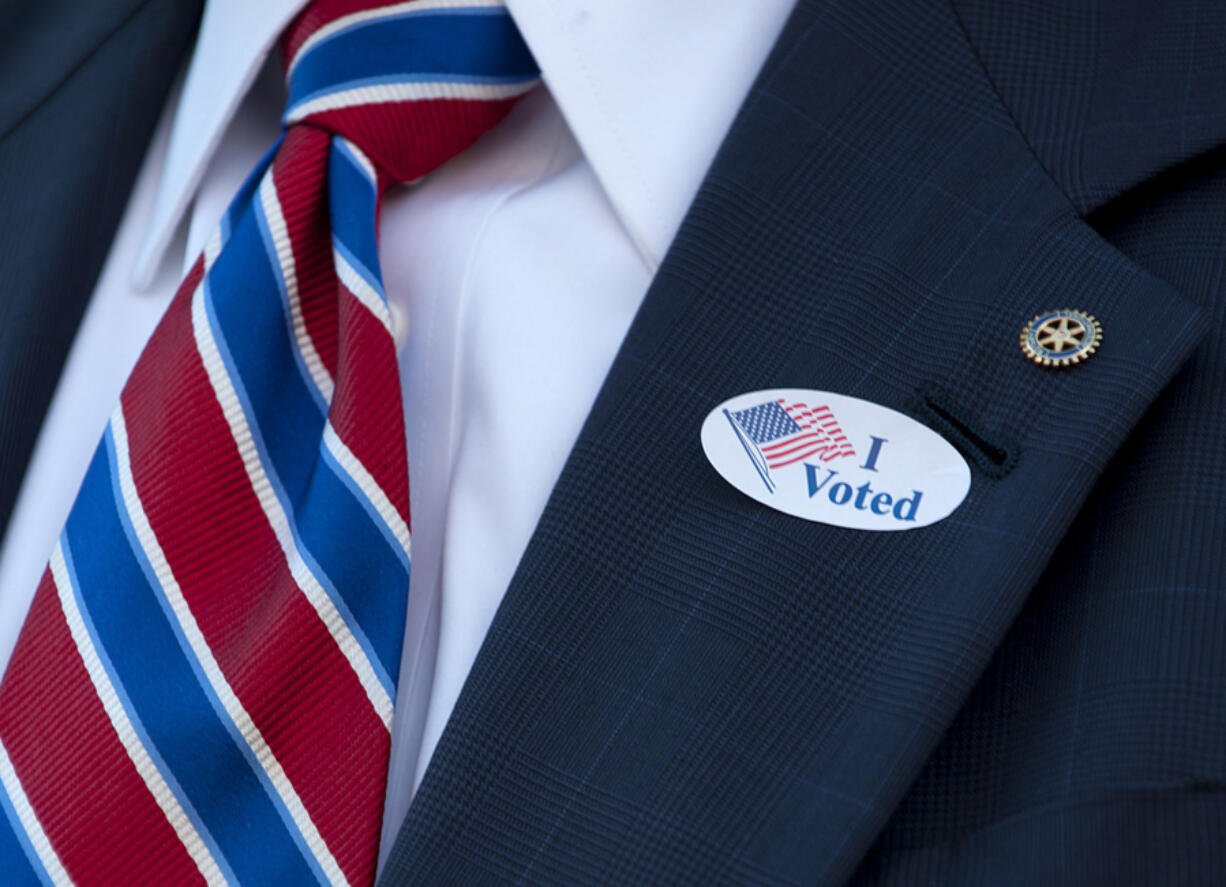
(203,688)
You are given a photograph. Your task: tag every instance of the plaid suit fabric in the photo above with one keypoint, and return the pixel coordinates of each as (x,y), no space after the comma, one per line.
(690,688)
(1091,749)
(53,87)
(1108,95)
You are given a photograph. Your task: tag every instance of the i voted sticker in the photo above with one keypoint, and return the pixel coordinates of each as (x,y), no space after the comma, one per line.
(835,459)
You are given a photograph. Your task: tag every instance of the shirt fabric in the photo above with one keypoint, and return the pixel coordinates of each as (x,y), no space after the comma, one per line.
(513,274)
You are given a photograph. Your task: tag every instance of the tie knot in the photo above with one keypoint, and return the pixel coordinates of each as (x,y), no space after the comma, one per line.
(412,84)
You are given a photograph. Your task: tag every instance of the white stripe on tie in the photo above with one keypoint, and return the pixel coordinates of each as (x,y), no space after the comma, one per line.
(356,284)
(212,248)
(122,724)
(370,16)
(289,277)
(369,487)
(408,91)
(278,520)
(29,823)
(359,158)
(204,654)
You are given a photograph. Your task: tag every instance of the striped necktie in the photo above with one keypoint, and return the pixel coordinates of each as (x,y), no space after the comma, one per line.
(203,687)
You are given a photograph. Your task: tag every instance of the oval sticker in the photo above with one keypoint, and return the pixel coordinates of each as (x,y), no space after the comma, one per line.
(835,459)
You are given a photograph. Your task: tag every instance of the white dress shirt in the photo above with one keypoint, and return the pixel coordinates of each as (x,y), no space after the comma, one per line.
(513,273)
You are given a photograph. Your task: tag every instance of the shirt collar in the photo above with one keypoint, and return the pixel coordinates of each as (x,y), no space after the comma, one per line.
(235,37)
(648,88)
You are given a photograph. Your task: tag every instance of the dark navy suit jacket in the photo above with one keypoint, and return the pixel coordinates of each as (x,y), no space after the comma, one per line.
(683,686)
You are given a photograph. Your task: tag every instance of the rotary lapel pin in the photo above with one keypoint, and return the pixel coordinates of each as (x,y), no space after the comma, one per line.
(1061,338)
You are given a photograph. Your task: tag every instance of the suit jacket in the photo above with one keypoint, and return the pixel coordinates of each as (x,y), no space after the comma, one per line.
(684,686)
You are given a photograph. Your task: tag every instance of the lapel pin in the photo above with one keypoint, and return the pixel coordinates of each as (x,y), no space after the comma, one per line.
(1061,338)
(835,459)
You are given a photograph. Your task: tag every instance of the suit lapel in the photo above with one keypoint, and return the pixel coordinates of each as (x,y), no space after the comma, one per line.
(683,685)
(83,88)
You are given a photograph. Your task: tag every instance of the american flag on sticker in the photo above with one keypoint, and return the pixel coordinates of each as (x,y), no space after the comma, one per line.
(777,433)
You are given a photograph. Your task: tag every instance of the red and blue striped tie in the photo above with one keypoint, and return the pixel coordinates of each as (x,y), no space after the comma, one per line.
(203,688)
